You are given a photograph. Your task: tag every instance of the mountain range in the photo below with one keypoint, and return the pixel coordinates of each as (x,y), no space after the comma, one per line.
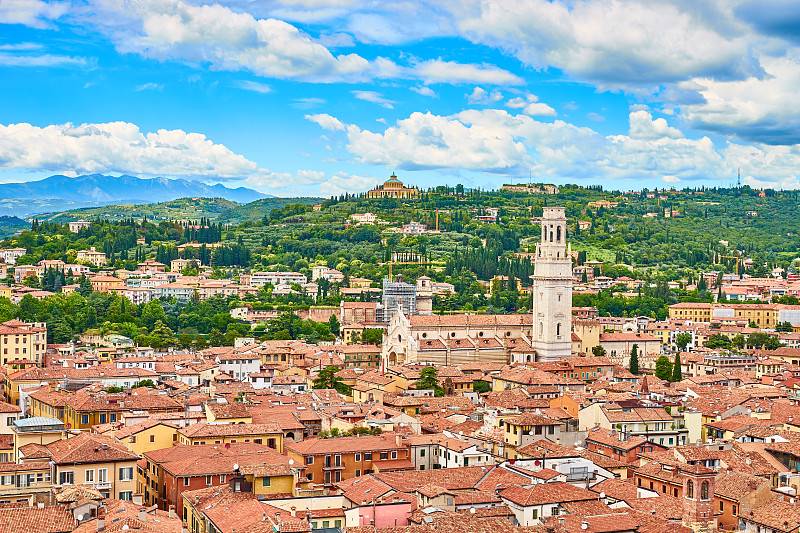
(59,192)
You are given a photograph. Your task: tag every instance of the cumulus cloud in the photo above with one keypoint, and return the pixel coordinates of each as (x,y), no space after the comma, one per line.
(118,147)
(33,13)
(756,110)
(481,96)
(613,43)
(151,86)
(530,105)
(374,97)
(642,126)
(121,147)
(424,90)
(341,183)
(496,141)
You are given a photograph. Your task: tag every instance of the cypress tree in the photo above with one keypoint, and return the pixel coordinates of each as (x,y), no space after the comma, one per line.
(634,364)
(677,375)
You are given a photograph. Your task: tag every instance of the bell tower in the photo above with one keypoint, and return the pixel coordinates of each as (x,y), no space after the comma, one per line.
(698,497)
(552,289)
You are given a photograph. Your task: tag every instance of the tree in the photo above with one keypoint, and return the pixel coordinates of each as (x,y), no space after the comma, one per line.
(482,387)
(738,340)
(145,383)
(663,368)
(372,336)
(634,364)
(682,340)
(427,380)
(333,323)
(327,379)
(677,374)
(598,351)
(718,341)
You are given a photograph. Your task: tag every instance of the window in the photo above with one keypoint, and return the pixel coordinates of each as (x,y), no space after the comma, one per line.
(152,438)
(126,474)
(128,495)
(358,473)
(394,455)
(186,482)
(422,452)
(66,478)
(690,489)
(368,456)
(90,476)
(84,419)
(310,476)
(102,418)
(102,475)
(310,460)
(535,514)
(113,417)
(265,482)
(721,505)
(554,511)
(208,480)
(358,457)
(704,490)
(133,439)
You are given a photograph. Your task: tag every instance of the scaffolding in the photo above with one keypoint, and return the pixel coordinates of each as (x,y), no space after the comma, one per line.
(397,295)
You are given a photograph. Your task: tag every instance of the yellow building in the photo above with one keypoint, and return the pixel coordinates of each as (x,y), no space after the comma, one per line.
(105,283)
(5,290)
(393,188)
(83,410)
(204,433)
(763,315)
(25,481)
(146,436)
(23,340)
(227,413)
(95,461)
(32,433)
(92,256)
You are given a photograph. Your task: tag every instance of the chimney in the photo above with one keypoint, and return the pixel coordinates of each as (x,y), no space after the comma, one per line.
(142,515)
(293,510)
(101,518)
(172,514)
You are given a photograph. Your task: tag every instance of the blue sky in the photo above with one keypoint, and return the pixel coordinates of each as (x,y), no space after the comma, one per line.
(321,97)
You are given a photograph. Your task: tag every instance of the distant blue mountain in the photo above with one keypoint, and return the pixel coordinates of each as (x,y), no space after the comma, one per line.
(98,189)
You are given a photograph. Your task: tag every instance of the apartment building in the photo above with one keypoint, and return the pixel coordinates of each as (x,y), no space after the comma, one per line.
(23,340)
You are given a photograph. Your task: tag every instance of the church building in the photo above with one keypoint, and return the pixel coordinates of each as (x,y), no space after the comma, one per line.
(393,188)
(544,335)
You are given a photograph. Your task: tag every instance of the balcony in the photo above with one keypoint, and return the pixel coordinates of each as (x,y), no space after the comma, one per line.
(333,466)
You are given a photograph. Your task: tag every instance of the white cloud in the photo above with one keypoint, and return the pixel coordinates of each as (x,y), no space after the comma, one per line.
(439,71)
(530,105)
(612,42)
(308,103)
(595,117)
(326,121)
(786,183)
(642,126)
(226,40)
(753,109)
(118,147)
(34,13)
(495,141)
(255,86)
(42,60)
(341,183)
(480,96)
(424,90)
(374,97)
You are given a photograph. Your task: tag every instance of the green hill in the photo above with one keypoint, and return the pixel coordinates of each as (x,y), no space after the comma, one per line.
(258,209)
(180,209)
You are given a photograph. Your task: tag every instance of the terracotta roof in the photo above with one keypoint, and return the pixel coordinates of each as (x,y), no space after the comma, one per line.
(367,443)
(546,493)
(203,429)
(52,519)
(89,448)
(208,459)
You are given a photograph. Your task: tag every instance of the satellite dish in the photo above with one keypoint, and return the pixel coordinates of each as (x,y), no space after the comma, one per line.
(80,517)
(471,510)
(125,527)
(291,462)
(584,525)
(602,495)
(236,466)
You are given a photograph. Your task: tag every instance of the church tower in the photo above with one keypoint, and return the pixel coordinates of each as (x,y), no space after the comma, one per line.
(552,289)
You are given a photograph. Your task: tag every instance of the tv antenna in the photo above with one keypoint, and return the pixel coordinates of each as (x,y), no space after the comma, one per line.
(739,178)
